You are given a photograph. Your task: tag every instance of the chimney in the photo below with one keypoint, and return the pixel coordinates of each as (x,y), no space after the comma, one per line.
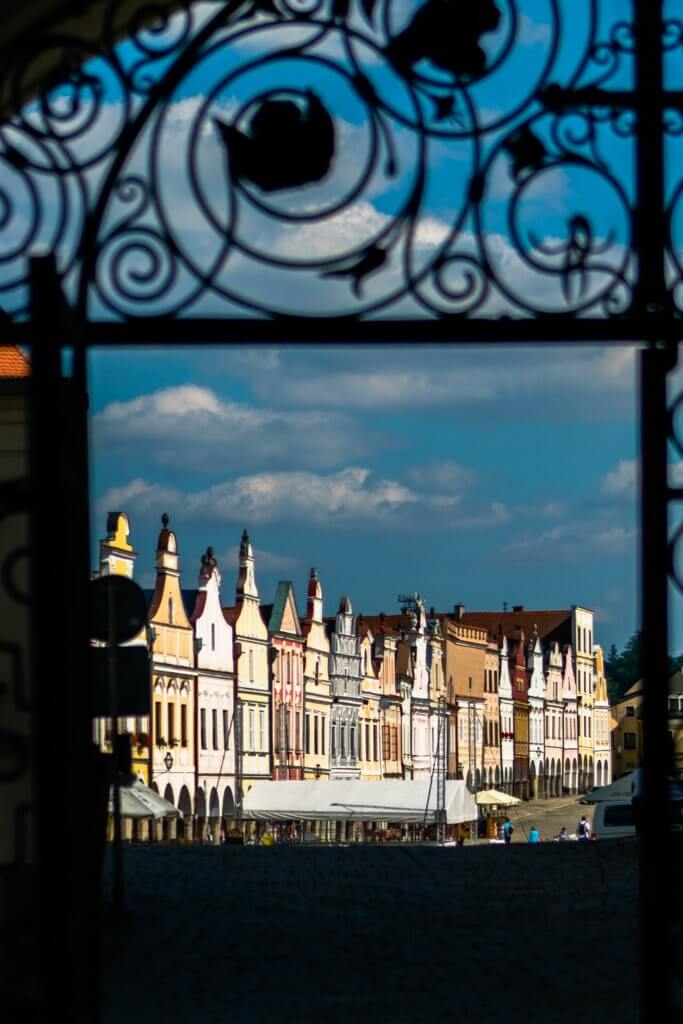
(518,607)
(505,606)
(459,610)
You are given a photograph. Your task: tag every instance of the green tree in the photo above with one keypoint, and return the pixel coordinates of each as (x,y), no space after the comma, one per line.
(623,669)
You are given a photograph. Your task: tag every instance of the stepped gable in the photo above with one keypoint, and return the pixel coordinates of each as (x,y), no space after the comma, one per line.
(13,363)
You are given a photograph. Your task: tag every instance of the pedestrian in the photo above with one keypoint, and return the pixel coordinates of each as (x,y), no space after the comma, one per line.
(508,829)
(583,830)
(534,835)
(564,835)
(209,834)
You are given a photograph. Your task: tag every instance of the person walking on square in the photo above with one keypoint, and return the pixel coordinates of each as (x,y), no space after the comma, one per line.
(564,835)
(534,835)
(507,830)
(583,830)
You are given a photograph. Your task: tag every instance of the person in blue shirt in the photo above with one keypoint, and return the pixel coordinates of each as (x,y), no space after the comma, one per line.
(534,835)
(507,830)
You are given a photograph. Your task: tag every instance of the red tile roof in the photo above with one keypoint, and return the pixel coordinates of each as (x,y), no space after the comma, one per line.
(13,363)
(546,622)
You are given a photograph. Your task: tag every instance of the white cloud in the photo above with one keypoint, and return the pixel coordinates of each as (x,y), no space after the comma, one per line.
(532,33)
(585,384)
(354,495)
(571,541)
(621,481)
(442,475)
(192,427)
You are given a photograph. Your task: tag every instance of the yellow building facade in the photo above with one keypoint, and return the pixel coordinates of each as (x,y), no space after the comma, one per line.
(369,719)
(117,558)
(253,671)
(627,733)
(174,682)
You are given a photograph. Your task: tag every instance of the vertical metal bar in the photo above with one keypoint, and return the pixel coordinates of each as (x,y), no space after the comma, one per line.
(77,489)
(53,830)
(656,866)
(650,233)
(650,240)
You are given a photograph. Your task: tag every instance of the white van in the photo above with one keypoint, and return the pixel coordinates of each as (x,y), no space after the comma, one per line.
(613,819)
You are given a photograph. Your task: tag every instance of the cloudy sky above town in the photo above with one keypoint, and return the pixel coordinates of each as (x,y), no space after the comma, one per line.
(482,476)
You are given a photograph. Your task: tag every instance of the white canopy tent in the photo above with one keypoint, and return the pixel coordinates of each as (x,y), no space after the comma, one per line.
(391,800)
(139,801)
(620,789)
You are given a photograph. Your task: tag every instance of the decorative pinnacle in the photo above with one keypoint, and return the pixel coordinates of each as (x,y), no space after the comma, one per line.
(164,520)
(314,573)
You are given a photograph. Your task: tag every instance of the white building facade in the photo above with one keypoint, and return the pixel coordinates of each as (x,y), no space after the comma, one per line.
(507,757)
(346,678)
(536,695)
(215,700)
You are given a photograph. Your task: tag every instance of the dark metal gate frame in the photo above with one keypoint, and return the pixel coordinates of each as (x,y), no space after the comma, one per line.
(59,458)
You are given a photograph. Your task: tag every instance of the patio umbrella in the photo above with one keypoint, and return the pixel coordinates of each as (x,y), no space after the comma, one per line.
(494,798)
(139,801)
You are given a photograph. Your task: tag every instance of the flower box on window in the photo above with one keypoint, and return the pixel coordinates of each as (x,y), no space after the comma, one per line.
(161,742)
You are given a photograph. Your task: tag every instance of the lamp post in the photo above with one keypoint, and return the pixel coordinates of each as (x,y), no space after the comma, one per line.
(168,760)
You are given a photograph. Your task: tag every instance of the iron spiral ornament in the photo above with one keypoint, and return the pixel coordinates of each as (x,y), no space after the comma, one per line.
(330,158)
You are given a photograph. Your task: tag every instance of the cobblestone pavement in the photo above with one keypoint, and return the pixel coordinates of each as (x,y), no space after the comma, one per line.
(375,933)
(548,816)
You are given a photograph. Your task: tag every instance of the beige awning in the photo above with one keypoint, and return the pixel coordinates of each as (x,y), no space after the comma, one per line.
(139,801)
(494,798)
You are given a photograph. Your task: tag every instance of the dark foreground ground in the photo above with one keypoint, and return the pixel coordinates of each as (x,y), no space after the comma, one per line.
(540,935)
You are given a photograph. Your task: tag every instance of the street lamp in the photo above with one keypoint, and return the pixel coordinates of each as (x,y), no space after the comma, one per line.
(318,770)
(168,761)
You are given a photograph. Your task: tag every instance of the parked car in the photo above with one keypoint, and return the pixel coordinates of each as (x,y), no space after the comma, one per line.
(614,819)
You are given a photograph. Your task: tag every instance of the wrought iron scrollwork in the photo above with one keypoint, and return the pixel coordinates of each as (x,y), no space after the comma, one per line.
(326,158)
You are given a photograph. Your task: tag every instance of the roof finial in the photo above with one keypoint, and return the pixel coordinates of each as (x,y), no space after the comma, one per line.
(314,573)
(164,520)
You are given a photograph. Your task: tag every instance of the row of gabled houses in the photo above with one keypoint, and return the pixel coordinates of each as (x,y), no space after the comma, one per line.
(248,691)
